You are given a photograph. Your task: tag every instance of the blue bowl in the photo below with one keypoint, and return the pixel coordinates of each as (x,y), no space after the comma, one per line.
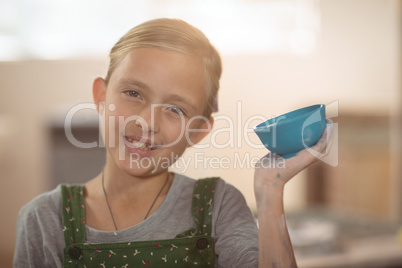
(289,133)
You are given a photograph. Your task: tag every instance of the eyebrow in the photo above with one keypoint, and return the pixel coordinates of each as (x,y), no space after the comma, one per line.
(132,82)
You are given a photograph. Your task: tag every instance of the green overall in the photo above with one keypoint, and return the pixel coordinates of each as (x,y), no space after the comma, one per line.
(191,248)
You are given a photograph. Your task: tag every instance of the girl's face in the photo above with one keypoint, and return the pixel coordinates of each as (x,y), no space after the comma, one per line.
(153,106)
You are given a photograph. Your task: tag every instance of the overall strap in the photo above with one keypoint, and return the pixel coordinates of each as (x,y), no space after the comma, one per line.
(202,205)
(73,214)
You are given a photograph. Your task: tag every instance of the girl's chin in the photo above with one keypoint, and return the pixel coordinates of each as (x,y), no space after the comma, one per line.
(137,162)
(143,166)
(138,171)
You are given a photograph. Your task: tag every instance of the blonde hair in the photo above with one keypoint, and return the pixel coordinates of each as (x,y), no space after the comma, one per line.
(175,35)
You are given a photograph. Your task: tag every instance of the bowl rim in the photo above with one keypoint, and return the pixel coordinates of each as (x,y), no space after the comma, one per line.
(292,115)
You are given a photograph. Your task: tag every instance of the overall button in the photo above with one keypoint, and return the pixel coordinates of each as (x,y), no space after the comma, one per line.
(202,243)
(75,253)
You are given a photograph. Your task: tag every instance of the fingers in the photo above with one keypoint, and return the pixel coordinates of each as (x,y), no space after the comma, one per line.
(319,150)
(330,133)
(323,145)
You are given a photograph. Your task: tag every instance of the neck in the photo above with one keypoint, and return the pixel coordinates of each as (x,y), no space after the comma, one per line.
(123,186)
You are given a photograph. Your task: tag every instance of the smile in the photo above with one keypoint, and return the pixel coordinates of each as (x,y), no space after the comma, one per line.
(146,146)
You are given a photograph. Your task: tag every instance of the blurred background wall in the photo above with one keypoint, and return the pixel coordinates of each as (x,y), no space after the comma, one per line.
(353,63)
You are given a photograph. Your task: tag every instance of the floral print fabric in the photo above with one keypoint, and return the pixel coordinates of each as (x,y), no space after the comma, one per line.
(192,248)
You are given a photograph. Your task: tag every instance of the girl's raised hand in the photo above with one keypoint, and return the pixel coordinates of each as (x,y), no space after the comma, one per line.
(271,175)
(273,171)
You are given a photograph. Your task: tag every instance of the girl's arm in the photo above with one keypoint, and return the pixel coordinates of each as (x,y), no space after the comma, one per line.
(275,248)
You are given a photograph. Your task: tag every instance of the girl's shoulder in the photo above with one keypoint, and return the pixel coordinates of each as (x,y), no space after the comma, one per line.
(45,205)
(40,240)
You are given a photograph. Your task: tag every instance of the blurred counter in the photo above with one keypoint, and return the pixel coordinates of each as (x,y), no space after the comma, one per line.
(383,251)
(327,240)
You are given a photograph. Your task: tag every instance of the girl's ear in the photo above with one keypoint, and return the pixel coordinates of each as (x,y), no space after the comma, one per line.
(201,131)
(99,94)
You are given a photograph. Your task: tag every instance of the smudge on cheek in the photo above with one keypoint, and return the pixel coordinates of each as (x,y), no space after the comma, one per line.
(278,175)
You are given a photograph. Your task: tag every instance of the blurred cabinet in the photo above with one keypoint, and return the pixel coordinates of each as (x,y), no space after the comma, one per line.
(70,163)
(361,184)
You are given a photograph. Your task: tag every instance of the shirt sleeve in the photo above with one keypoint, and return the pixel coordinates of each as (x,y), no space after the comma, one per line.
(236,232)
(40,240)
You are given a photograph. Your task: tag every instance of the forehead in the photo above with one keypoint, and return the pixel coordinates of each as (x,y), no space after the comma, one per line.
(165,72)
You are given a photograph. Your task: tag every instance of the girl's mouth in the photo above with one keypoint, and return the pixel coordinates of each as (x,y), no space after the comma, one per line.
(146,146)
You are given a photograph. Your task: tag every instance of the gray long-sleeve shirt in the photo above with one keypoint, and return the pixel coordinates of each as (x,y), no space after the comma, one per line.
(40,239)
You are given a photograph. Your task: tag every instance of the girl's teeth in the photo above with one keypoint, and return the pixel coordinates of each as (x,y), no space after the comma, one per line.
(139,145)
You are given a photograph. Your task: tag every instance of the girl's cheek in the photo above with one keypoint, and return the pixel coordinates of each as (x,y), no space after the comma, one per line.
(102,121)
(110,126)
(173,132)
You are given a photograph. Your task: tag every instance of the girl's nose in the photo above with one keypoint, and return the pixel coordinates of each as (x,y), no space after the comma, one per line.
(148,119)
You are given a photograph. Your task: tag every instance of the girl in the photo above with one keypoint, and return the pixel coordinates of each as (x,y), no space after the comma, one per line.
(156,100)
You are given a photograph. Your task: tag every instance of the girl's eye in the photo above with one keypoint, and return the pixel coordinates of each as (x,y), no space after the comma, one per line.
(133,93)
(176,110)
